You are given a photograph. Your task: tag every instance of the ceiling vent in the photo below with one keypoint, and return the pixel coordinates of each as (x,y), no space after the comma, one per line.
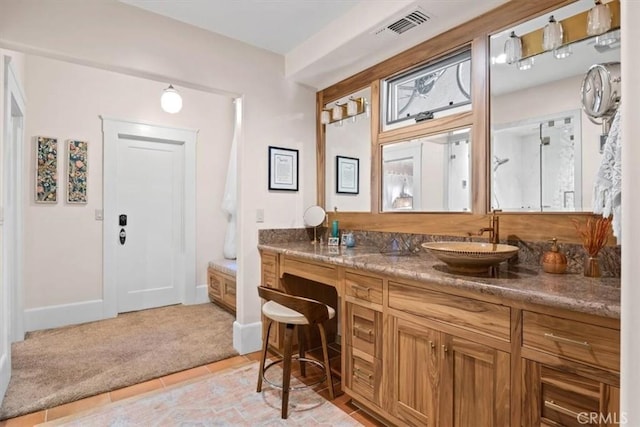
(407,22)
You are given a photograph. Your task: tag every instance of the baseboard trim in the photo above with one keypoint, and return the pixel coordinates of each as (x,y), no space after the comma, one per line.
(55,316)
(202,294)
(247,338)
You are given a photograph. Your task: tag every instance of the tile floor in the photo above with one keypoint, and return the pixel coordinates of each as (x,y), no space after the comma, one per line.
(343,401)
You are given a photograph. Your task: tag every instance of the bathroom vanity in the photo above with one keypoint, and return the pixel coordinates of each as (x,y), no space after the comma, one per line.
(421,346)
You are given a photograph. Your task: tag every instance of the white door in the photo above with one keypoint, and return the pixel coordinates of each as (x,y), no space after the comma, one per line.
(11,324)
(149,241)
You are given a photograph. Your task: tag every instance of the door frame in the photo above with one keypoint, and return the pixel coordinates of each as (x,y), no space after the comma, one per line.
(111,129)
(14,330)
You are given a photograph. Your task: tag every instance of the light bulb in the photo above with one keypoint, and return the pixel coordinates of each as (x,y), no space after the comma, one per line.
(513,48)
(336,112)
(598,19)
(171,101)
(552,35)
(352,107)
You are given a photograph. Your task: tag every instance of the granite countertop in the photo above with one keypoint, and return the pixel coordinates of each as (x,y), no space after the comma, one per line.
(598,296)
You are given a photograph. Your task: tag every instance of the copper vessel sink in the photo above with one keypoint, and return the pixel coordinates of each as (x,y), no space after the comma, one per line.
(470,257)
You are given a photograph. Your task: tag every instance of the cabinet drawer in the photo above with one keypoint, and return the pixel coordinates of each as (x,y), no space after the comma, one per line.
(269,270)
(364,329)
(583,342)
(478,316)
(565,396)
(364,288)
(363,379)
(322,273)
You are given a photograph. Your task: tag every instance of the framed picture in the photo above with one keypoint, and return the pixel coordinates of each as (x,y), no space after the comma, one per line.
(283,169)
(46,170)
(347,175)
(76,171)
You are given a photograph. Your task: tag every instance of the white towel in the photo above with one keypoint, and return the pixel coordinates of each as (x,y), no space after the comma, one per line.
(607,195)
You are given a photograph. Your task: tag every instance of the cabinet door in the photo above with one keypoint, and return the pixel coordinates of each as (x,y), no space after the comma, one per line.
(229,293)
(555,397)
(215,286)
(415,379)
(476,384)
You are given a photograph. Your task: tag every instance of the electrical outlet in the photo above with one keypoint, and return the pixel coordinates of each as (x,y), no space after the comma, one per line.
(259,215)
(99,215)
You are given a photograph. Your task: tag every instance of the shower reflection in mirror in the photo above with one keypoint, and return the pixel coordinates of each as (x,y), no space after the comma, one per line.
(427,174)
(536,164)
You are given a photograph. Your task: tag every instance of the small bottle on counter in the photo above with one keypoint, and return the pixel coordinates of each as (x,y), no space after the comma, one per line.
(334,229)
(554,261)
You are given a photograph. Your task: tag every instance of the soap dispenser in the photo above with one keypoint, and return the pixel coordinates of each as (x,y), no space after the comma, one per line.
(554,261)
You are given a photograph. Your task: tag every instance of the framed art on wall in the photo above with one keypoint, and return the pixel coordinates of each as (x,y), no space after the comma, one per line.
(76,171)
(283,169)
(46,170)
(347,175)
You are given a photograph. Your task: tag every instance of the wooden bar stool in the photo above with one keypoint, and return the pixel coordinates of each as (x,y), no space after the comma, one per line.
(293,310)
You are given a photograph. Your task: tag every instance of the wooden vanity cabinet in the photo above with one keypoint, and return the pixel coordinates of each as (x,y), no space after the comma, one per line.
(363,343)
(269,274)
(570,371)
(439,378)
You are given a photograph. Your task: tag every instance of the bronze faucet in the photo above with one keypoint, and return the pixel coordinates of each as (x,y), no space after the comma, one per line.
(494,229)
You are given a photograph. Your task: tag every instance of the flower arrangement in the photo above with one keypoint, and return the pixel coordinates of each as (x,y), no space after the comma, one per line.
(594,234)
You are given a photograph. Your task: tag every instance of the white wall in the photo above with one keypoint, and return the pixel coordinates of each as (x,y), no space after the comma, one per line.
(277,112)
(630,369)
(65,238)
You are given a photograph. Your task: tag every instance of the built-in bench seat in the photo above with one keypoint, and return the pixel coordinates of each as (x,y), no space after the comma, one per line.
(222,283)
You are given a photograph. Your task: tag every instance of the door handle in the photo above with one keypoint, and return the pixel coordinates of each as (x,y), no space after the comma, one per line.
(123,236)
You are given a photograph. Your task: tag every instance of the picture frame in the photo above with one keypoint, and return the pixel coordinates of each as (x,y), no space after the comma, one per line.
(347,175)
(77,153)
(283,169)
(333,241)
(46,182)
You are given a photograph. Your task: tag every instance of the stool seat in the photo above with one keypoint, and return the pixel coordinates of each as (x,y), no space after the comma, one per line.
(293,312)
(282,314)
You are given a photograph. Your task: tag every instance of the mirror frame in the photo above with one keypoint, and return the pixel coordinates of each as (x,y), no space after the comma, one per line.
(530,226)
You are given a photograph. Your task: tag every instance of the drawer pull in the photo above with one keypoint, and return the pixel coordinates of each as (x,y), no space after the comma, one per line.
(358,374)
(554,406)
(357,288)
(359,332)
(432,345)
(557,338)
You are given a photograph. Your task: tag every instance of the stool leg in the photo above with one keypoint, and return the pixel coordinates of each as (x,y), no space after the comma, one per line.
(301,350)
(325,353)
(265,345)
(286,370)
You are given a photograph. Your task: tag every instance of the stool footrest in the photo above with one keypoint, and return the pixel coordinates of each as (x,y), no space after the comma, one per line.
(301,359)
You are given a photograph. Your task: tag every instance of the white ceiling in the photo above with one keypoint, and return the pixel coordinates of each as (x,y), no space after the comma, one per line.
(275,25)
(323,41)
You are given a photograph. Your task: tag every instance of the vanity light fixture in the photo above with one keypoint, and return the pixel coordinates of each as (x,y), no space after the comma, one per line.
(525,64)
(598,19)
(349,109)
(552,35)
(337,112)
(325,117)
(513,48)
(563,52)
(171,101)
(608,38)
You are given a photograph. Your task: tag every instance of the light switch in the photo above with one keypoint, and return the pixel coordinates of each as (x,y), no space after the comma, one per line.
(99,215)
(259,215)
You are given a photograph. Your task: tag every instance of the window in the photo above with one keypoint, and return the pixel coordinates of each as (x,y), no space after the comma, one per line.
(433,90)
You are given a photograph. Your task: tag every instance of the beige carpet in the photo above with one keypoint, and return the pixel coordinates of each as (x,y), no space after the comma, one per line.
(61,365)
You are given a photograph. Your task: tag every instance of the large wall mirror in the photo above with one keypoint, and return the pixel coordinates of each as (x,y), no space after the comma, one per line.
(348,156)
(545,151)
(427,174)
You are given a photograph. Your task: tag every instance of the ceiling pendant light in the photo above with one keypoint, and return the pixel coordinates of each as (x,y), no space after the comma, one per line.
(513,48)
(171,101)
(598,19)
(552,35)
